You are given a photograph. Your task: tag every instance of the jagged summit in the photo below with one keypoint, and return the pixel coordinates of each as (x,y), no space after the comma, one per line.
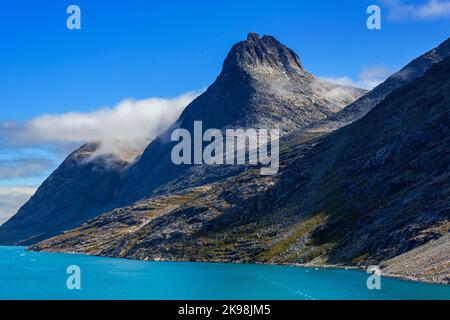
(363,195)
(262,54)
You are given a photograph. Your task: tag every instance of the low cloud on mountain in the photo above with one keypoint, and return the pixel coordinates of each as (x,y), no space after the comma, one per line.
(124,129)
(368,78)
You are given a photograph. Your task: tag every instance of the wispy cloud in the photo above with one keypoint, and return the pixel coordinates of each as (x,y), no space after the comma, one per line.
(124,129)
(400,10)
(12,198)
(30,150)
(368,78)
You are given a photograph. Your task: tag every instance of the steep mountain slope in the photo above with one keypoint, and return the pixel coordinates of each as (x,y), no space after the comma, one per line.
(360,107)
(383,180)
(262,85)
(365,194)
(69,196)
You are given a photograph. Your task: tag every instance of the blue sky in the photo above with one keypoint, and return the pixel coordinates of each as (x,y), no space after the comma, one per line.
(164,48)
(173,50)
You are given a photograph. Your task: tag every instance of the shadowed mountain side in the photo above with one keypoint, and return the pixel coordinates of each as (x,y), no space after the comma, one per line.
(364,194)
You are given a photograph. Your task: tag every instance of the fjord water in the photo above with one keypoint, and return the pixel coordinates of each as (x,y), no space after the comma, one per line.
(37,275)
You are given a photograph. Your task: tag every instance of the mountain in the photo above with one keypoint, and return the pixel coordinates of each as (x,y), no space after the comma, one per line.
(262,85)
(71,195)
(360,107)
(374,192)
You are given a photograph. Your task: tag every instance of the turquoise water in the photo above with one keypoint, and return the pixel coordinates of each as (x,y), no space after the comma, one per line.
(31,275)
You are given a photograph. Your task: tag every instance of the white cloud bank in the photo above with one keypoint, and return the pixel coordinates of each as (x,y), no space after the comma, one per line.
(368,78)
(124,129)
(12,198)
(399,10)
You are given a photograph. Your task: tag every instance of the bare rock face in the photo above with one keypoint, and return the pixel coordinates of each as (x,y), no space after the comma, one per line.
(429,262)
(72,194)
(386,188)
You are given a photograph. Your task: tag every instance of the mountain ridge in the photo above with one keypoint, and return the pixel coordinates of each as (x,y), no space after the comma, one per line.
(356,110)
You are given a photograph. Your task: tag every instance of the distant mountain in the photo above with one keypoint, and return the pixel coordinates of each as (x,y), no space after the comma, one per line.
(374,192)
(360,107)
(72,194)
(262,85)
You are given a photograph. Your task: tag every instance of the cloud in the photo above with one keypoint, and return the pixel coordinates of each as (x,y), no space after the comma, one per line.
(12,198)
(399,10)
(124,129)
(24,168)
(344,92)
(368,78)
(30,150)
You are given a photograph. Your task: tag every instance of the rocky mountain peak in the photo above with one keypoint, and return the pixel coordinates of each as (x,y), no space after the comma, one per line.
(263,84)
(262,55)
(412,71)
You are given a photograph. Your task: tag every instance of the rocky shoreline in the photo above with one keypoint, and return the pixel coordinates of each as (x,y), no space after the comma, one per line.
(405,275)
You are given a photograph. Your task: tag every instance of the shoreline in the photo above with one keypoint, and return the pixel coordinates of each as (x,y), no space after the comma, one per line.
(301,265)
